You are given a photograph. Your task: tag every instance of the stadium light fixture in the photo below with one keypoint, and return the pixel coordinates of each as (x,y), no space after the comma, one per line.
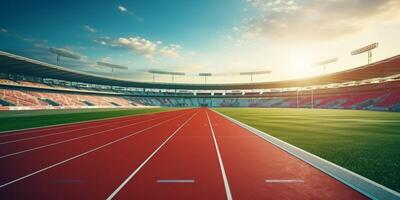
(173,74)
(255,73)
(368,49)
(112,66)
(64,53)
(323,63)
(205,75)
(153,73)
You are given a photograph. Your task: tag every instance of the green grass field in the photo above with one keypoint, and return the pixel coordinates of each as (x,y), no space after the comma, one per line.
(365,142)
(13,120)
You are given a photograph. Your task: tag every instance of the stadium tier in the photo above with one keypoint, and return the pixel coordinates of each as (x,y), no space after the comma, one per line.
(379,96)
(372,87)
(382,97)
(38,100)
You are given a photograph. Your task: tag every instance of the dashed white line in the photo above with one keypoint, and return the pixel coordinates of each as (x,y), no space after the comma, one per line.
(284,181)
(119,188)
(175,181)
(221,164)
(85,153)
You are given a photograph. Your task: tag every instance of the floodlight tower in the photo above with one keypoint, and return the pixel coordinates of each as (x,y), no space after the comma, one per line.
(255,73)
(368,49)
(173,74)
(153,72)
(323,63)
(64,53)
(112,66)
(205,75)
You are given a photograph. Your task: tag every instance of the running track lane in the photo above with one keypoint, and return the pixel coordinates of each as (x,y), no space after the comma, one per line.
(26,141)
(19,165)
(248,161)
(257,169)
(96,174)
(184,168)
(34,132)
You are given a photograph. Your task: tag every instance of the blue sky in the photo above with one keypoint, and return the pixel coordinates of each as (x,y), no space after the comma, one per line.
(222,37)
(195,24)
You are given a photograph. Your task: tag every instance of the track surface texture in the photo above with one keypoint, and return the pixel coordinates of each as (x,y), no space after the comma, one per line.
(184,154)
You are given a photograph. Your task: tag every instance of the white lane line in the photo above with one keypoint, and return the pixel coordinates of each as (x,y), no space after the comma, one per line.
(87,152)
(221,164)
(112,195)
(51,127)
(72,139)
(66,131)
(64,125)
(175,181)
(284,181)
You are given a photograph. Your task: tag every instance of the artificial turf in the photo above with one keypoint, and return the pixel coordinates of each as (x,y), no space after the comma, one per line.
(13,120)
(365,142)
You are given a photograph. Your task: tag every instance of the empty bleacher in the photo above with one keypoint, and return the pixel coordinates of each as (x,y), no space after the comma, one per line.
(10,97)
(379,96)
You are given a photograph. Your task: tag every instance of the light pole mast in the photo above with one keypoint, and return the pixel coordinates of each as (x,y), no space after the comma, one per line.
(367,49)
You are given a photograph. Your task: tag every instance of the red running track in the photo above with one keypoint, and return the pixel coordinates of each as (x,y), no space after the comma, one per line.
(185,154)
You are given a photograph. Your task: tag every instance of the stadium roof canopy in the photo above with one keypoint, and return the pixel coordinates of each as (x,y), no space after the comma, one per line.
(14,64)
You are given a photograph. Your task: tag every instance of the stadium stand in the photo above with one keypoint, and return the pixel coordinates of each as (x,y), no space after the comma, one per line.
(8,82)
(372,87)
(380,96)
(42,100)
(32,84)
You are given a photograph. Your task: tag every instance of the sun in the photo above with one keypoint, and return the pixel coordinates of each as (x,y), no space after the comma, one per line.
(300,67)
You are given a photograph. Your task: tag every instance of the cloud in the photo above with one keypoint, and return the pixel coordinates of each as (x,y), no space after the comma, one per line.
(106,59)
(142,46)
(125,10)
(41,45)
(318,19)
(89,28)
(170,50)
(34,41)
(138,45)
(122,8)
(104,40)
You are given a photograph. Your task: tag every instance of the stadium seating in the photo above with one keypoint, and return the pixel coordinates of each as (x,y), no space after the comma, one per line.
(378,96)
(19,98)
(382,96)
(33,84)
(9,97)
(7,82)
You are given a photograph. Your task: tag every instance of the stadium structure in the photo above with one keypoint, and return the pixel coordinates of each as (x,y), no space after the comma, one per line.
(200,100)
(174,153)
(30,84)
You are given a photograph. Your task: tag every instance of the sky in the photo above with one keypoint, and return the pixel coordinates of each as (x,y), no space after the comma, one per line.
(223,37)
